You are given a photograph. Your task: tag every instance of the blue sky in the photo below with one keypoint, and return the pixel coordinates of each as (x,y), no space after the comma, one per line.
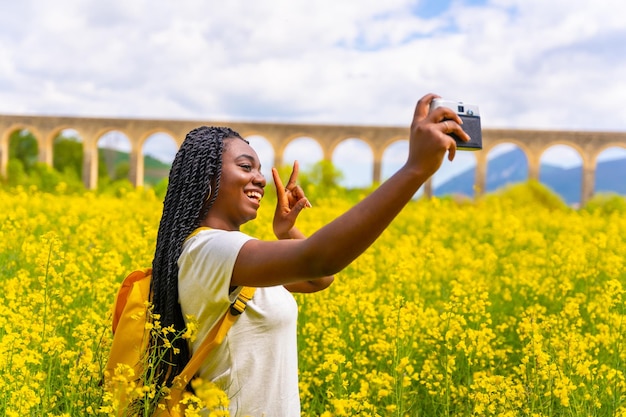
(530,64)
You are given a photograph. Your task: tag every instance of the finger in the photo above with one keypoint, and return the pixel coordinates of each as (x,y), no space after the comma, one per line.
(452,151)
(293,178)
(444,113)
(423,107)
(461,134)
(297,192)
(450,126)
(278,183)
(295,195)
(292,215)
(298,207)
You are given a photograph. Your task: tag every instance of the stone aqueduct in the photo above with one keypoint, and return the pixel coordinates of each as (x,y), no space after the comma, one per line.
(532,142)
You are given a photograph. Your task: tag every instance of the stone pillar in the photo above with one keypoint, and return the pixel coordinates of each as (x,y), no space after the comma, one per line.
(4,157)
(377,171)
(46,151)
(41,148)
(326,153)
(136,171)
(588,183)
(428,188)
(278,159)
(480,181)
(533,166)
(90,164)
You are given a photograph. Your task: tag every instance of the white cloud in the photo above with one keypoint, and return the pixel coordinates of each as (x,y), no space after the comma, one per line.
(306,151)
(160,146)
(346,62)
(561,156)
(527,63)
(355,161)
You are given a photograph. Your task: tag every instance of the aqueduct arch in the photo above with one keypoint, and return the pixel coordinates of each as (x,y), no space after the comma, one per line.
(532,142)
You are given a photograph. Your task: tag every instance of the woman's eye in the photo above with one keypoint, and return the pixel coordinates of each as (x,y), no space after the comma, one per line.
(246,167)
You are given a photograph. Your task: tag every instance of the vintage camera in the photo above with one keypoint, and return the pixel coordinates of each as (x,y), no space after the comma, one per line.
(471,122)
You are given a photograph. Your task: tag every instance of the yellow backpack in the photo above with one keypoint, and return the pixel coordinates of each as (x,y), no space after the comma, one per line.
(130,340)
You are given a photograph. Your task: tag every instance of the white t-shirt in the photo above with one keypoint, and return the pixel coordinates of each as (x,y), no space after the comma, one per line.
(257,364)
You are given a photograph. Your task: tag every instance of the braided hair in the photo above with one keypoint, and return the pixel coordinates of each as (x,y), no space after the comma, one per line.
(192,188)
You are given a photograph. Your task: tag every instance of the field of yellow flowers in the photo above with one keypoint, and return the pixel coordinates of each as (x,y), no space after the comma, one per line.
(508,306)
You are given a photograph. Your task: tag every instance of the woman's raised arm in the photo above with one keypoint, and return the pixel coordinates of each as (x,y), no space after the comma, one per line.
(334,246)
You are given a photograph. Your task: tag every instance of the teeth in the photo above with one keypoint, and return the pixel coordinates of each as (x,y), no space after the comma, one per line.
(254,194)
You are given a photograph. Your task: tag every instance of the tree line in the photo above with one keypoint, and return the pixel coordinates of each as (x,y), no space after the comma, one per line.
(114,167)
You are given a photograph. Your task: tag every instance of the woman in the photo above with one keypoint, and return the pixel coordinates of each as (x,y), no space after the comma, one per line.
(216,182)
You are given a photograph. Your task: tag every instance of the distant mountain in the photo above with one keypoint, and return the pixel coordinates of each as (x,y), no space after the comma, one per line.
(611,176)
(512,167)
(507,168)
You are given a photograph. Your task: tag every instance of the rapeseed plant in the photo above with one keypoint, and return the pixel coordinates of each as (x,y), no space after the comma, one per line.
(503,307)
(135,391)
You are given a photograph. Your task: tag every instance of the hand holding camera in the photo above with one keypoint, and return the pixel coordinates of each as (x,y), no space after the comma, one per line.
(470,116)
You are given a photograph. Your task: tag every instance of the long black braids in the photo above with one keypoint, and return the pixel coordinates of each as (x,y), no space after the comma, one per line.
(193,185)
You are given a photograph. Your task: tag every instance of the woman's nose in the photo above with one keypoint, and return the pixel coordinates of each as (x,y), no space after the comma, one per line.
(259,179)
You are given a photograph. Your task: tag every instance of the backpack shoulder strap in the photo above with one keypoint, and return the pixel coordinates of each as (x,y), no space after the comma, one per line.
(214,338)
(196,231)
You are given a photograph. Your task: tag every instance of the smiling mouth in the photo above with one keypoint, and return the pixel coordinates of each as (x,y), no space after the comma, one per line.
(254,195)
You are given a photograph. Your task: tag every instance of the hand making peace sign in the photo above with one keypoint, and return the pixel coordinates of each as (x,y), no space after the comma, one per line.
(290,200)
